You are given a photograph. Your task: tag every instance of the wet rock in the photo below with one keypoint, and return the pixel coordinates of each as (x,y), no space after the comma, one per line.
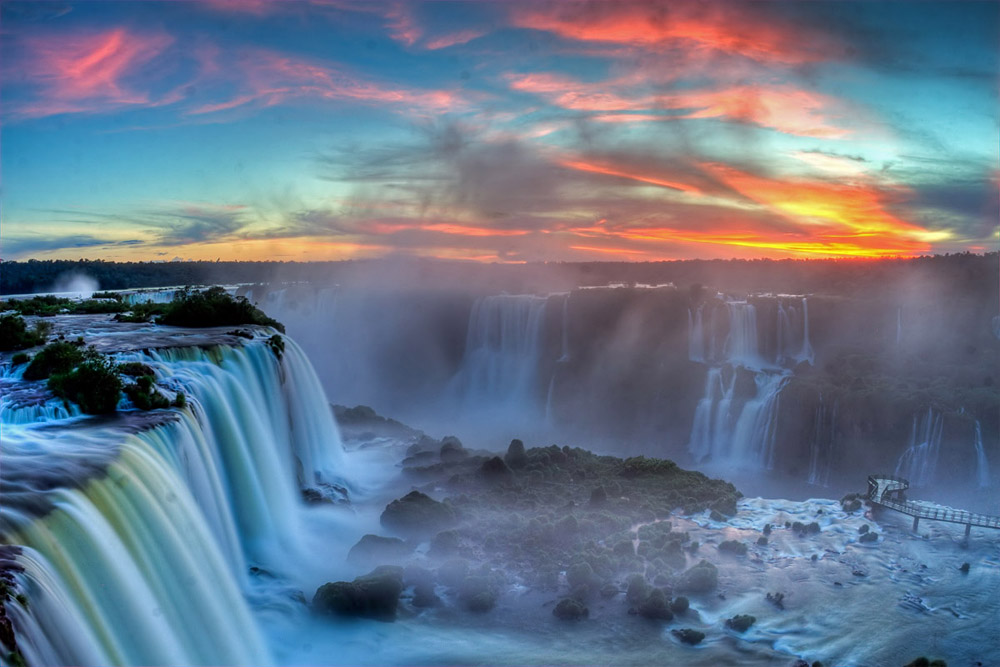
(416,514)
(777,599)
(452,450)
(868,537)
(656,606)
(637,589)
(424,596)
(515,456)
(375,548)
(598,497)
(702,578)
(680,604)
(444,544)
(689,636)
(374,595)
(863,529)
(740,622)
(733,547)
(569,609)
(478,593)
(964,569)
(496,471)
(924,662)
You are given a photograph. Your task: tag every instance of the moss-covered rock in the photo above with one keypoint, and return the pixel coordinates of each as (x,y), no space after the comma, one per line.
(689,636)
(569,609)
(374,595)
(417,514)
(516,457)
(496,471)
(375,548)
(702,578)
(740,622)
(656,606)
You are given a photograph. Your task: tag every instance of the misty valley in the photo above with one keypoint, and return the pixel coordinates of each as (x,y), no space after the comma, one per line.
(419,463)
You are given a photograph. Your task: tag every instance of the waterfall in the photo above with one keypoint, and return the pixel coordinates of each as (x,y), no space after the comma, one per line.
(564,338)
(807,351)
(784,335)
(741,346)
(136,534)
(918,463)
(149,296)
(725,431)
(502,352)
(982,463)
(822,447)
(696,334)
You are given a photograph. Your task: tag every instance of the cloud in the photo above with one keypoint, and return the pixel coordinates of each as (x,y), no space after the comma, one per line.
(748,30)
(27,245)
(85,72)
(267,78)
(784,108)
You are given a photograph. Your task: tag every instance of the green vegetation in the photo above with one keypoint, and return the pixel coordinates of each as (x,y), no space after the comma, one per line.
(144,395)
(212,308)
(20,358)
(54,358)
(277,345)
(15,335)
(48,305)
(94,385)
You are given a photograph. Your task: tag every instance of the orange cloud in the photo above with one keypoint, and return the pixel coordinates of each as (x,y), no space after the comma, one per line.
(595,168)
(784,108)
(86,72)
(270,78)
(454,39)
(730,28)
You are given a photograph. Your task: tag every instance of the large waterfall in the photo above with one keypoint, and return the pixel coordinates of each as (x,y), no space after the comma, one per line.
(982,464)
(502,352)
(136,535)
(918,463)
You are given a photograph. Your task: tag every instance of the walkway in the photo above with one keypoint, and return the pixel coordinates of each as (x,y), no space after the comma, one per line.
(890,491)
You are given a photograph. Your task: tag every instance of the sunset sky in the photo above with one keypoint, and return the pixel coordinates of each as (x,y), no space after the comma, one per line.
(498,131)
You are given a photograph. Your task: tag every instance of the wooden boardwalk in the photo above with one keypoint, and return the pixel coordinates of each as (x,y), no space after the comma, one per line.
(890,491)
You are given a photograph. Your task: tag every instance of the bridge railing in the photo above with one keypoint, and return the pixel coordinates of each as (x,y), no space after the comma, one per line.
(920,510)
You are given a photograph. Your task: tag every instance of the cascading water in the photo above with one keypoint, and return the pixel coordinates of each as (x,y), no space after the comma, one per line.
(502,352)
(696,334)
(134,537)
(806,354)
(822,448)
(725,430)
(918,463)
(741,344)
(982,463)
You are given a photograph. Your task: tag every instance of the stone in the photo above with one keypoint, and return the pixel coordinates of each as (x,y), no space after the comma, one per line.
(569,609)
(515,456)
(374,595)
(416,514)
(702,578)
(375,548)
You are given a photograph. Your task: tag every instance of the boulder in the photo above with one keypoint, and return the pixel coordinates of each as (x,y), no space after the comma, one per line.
(452,450)
(569,609)
(702,578)
(417,514)
(378,549)
(495,470)
(515,456)
(689,636)
(656,606)
(374,595)
(740,622)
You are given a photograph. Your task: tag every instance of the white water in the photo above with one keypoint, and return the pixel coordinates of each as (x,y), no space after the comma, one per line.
(741,345)
(822,447)
(147,563)
(502,353)
(725,431)
(918,463)
(696,334)
(982,463)
(806,354)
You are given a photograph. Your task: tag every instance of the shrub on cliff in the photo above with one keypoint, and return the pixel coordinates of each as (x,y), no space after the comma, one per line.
(213,307)
(94,385)
(58,357)
(15,335)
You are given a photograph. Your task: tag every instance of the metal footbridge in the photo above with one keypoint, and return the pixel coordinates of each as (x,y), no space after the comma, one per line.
(890,491)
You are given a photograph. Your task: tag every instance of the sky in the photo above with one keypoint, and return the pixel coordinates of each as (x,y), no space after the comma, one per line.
(498,131)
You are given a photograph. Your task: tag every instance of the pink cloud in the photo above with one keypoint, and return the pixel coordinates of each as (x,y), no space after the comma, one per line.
(740,29)
(453,39)
(269,78)
(89,72)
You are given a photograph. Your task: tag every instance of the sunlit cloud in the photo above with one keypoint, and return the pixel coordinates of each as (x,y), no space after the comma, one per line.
(86,72)
(268,79)
(741,29)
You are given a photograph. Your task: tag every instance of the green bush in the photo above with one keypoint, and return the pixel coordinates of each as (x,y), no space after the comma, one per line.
(20,358)
(213,307)
(144,394)
(58,357)
(15,335)
(94,385)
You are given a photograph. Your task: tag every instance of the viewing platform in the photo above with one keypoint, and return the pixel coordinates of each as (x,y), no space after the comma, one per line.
(890,491)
